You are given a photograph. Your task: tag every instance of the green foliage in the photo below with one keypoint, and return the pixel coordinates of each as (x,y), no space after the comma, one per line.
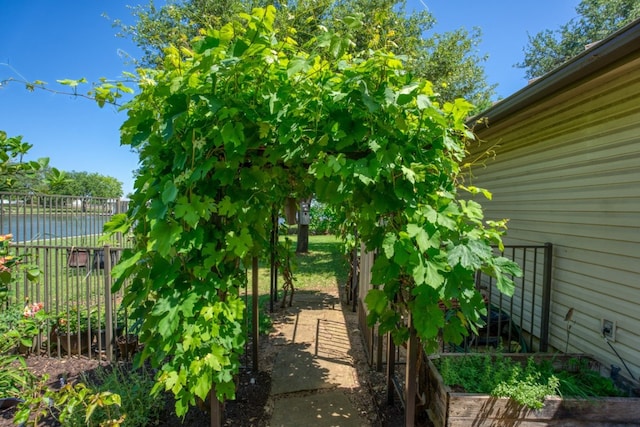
(67,405)
(245,116)
(137,407)
(14,376)
(73,320)
(580,380)
(13,168)
(265,324)
(20,324)
(55,181)
(449,60)
(528,385)
(12,266)
(595,21)
(322,218)
(83,184)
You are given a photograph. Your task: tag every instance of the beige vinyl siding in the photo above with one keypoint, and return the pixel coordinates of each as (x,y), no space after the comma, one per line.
(567,171)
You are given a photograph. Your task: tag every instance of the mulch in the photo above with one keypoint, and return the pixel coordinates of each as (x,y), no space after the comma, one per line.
(247,410)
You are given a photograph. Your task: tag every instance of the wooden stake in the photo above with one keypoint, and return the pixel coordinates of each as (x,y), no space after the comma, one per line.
(215,409)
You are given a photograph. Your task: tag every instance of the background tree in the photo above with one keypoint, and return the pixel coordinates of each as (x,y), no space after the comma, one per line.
(15,173)
(85,184)
(449,60)
(36,176)
(55,181)
(595,21)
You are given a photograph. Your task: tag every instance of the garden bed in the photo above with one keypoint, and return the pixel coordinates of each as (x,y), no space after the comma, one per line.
(448,406)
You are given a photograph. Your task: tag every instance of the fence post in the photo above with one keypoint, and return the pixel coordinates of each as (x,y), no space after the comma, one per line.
(108,306)
(546,297)
(355,266)
(117,210)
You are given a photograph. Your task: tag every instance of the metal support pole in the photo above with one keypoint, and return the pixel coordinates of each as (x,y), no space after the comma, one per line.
(273,289)
(546,297)
(108,307)
(254,303)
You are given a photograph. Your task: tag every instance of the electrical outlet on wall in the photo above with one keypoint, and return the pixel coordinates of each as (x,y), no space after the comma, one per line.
(608,329)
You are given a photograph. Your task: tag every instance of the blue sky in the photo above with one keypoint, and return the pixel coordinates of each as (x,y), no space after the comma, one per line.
(51,40)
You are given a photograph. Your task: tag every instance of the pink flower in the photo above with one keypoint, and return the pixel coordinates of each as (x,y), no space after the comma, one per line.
(30,310)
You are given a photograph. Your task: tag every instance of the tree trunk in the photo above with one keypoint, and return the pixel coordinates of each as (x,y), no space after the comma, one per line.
(303,227)
(303,239)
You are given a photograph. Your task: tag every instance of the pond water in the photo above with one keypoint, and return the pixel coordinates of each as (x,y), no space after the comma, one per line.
(45,227)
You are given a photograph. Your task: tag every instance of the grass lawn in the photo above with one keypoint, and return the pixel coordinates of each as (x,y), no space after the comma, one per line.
(323,268)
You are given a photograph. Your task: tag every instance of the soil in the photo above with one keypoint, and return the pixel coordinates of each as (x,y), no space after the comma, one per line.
(252,406)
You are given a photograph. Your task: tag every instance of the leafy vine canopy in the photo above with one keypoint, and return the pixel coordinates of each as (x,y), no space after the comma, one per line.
(230,128)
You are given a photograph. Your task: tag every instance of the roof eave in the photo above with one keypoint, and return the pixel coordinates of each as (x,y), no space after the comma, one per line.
(618,45)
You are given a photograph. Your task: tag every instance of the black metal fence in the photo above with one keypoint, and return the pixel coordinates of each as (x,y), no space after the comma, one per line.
(62,236)
(517,323)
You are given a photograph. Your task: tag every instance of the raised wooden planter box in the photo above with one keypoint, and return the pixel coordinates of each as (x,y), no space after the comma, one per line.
(447,408)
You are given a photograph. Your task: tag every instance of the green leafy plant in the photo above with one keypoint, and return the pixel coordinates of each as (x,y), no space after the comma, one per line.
(529,384)
(323,218)
(10,317)
(72,321)
(249,116)
(67,405)
(265,323)
(21,324)
(580,380)
(78,398)
(34,320)
(136,407)
(14,376)
(15,379)
(10,263)
(13,167)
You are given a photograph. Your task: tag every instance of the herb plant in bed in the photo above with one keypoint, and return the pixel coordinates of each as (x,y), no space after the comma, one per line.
(524,389)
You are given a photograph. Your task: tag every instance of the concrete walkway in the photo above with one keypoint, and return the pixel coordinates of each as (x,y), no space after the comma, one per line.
(313,372)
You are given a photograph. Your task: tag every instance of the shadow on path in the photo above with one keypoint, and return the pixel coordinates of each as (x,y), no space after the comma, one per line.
(313,373)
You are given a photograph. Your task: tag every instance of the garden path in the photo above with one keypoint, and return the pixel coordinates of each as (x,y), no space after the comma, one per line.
(314,381)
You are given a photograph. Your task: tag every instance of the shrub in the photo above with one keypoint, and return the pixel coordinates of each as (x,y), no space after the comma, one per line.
(138,408)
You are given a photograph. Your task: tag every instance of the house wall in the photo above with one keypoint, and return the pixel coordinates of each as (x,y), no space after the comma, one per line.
(567,171)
